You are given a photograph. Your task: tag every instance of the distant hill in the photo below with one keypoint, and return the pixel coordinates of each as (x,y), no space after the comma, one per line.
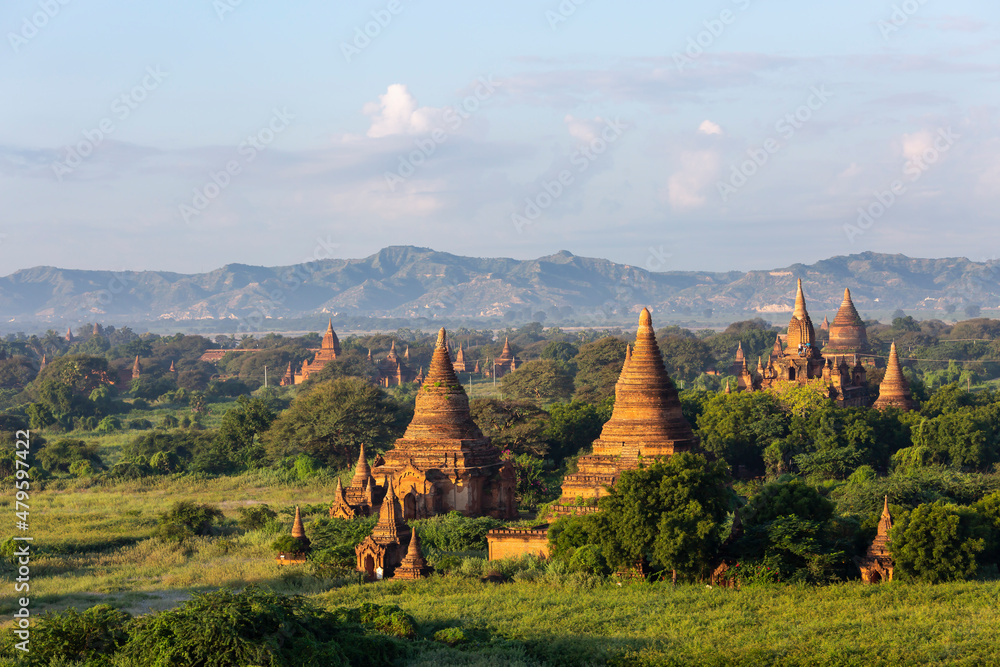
(410,282)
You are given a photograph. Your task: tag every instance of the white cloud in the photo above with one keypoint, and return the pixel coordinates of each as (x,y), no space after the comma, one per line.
(396,112)
(583,129)
(686,188)
(708,127)
(914,145)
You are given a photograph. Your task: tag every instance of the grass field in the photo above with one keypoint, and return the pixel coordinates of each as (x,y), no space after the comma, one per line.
(96,546)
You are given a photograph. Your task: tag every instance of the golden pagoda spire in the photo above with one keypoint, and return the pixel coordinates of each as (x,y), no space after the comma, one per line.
(894,390)
(800,303)
(298,531)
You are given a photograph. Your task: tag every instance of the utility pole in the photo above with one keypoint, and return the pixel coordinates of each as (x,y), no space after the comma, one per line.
(265,377)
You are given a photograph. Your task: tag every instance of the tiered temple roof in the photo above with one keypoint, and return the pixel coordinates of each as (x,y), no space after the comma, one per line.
(800,328)
(329,351)
(877,565)
(381,552)
(506,362)
(894,390)
(361,497)
(646,420)
(393,371)
(848,334)
(443,462)
(413,565)
(799,363)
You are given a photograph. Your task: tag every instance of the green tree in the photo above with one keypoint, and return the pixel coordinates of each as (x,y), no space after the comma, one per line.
(331,420)
(572,427)
(788,525)
(514,426)
(237,441)
(739,427)
(937,542)
(599,363)
(541,380)
(669,514)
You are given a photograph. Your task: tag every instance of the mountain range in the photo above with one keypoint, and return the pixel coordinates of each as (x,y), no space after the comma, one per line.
(412,282)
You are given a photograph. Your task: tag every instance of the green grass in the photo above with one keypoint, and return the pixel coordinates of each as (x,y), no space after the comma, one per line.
(848,624)
(96,546)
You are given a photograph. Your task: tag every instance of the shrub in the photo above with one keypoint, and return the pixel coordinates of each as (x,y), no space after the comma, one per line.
(253,627)
(187,519)
(450,636)
(455,532)
(139,424)
(109,425)
(169,421)
(70,635)
(256,517)
(387,619)
(937,542)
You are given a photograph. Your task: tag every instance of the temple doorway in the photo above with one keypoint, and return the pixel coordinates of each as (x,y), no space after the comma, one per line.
(409,507)
(369,568)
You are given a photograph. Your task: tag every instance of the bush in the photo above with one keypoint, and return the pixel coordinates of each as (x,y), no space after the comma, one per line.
(252,627)
(256,517)
(139,424)
(937,542)
(455,532)
(70,635)
(169,421)
(450,636)
(387,619)
(187,519)
(109,425)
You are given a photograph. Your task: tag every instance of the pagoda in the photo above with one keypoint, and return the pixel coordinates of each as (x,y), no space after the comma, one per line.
(329,351)
(288,379)
(302,544)
(443,462)
(894,390)
(362,497)
(848,334)
(877,565)
(392,371)
(646,423)
(799,363)
(413,565)
(459,363)
(506,362)
(381,552)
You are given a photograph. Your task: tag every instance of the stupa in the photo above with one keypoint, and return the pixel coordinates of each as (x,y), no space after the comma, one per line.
(646,422)
(894,390)
(443,462)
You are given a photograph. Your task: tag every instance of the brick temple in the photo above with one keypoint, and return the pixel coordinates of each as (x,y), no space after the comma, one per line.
(800,363)
(443,462)
(894,390)
(646,422)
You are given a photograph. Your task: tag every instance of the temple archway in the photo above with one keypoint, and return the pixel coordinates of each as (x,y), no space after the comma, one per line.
(369,567)
(410,506)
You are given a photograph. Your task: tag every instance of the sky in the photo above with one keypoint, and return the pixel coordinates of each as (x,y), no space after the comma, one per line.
(724,135)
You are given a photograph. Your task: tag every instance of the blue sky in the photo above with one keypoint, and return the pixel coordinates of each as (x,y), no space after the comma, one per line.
(670,135)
